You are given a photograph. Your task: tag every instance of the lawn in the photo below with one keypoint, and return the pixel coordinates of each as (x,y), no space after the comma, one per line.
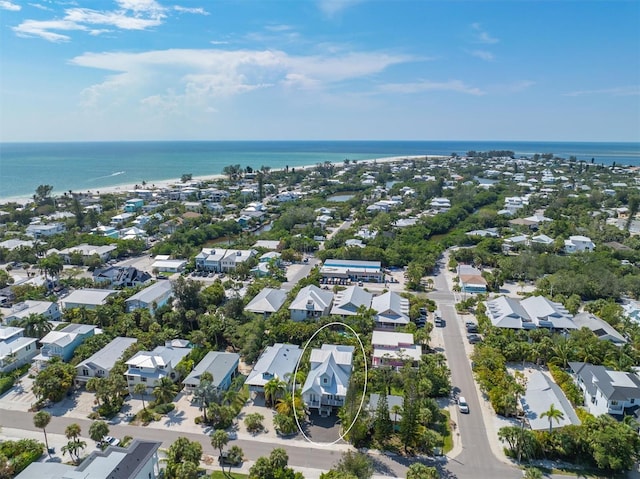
(234,475)
(445,430)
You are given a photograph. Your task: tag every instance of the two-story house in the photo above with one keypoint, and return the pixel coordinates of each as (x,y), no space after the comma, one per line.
(392,310)
(148,367)
(578,243)
(606,391)
(63,343)
(328,379)
(99,365)
(222,366)
(121,276)
(393,349)
(88,298)
(23,310)
(350,300)
(15,349)
(311,302)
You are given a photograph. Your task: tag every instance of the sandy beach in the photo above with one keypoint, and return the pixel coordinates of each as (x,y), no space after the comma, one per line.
(162,184)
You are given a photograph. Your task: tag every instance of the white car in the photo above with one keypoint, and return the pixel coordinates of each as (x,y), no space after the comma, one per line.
(463,405)
(111,441)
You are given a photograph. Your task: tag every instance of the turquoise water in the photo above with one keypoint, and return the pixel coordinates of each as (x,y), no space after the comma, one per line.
(81,166)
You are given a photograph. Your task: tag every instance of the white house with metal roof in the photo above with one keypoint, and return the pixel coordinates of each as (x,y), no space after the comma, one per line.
(328,379)
(138,461)
(99,364)
(222,366)
(23,310)
(277,361)
(530,313)
(151,298)
(540,394)
(148,367)
(88,298)
(600,328)
(15,349)
(392,310)
(578,243)
(87,251)
(267,302)
(606,391)
(311,302)
(348,301)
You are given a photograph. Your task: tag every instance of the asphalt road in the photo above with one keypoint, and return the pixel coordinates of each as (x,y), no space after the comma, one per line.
(476,459)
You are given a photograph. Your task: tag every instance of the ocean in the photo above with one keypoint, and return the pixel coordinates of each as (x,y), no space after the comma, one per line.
(82,166)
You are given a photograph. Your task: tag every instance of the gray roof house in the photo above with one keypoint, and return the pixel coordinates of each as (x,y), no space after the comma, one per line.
(277,361)
(267,301)
(139,460)
(101,363)
(530,313)
(150,366)
(600,328)
(222,366)
(348,301)
(392,310)
(311,302)
(151,297)
(541,393)
(606,391)
(89,298)
(22,310)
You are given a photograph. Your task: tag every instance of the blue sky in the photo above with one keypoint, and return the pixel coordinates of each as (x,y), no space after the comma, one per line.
(319,69)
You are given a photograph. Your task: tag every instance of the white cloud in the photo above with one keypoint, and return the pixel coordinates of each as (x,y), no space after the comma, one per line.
(616,91)
(194,10)
(219,42)
(483,55)
(481,35)
(278,28)
(12,7)
(333,7)
(422,86)
(132,15)
(39,6)
(197,77)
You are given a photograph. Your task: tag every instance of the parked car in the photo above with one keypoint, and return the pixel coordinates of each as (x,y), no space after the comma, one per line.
(472,328)
(474,338)
(227,459)
(440,322)
(423,311)
(463,406)
(110,440)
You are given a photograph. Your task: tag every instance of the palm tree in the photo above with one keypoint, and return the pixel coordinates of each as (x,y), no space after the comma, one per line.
(165,391)
(204,395)
(562,351)
(35,325)
(396,409)
(41,420)
(75,445)
(553,413)
(273,389)
(219,439)
(141,388)
(287,403)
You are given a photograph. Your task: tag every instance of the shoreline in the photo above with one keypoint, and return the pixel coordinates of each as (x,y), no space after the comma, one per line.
(165,183)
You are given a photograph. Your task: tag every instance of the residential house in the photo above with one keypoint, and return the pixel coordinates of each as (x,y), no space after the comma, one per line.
(267,302)
(541,393)
(328,379)
(272,245)
(44,230)
(23,310)
(600,328)
(120,276)
(222,260)
(393,349)
(16,350)
(148,367)
(99,365)
(542,240)
(392,310)
(108,231)
(13,243)
(133,205)
(392,402)
(530,313)
(606,391)
(138,461)
(88,298)
(87,251)
(277,361)
(348,301)
(63,343)
(440,205)
(121,219)
(163,264)
(223,367)
(471,280)
(342,269)
(578,243)
(151,298)
(311,302)
(235,257)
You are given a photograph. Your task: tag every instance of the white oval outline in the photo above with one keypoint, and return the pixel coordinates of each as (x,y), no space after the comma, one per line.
(364,391)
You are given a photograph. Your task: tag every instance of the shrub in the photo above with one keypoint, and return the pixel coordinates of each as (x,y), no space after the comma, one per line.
(5,384)
(164,408)
(21,453)
(198,420)
(253,422)
(564,380)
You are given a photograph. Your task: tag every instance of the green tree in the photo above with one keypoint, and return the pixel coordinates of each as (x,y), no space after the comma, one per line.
(165,391)
(420,471)
(41,420)
(141,389)
(52,266)
(75,446)
(35,325)
(219,439)
(382,425)
(532,473)
(356,463)
(205,394)
(54,381)
(522,442)
(98,430)
(43,194)
(253,422)
(273,390)
(552,414)
(182,451)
